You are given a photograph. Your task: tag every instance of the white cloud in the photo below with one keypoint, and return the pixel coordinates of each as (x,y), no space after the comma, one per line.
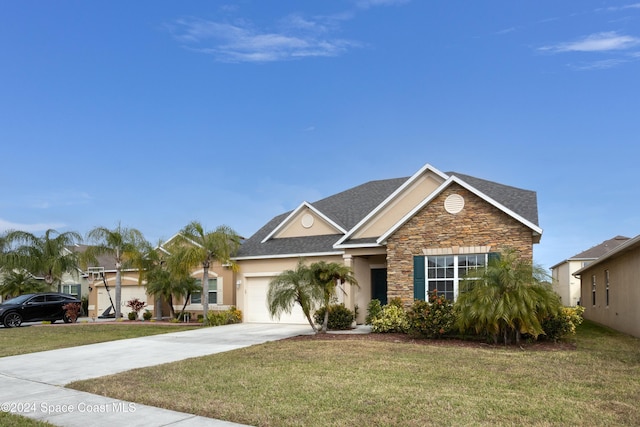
(241,42)
(8,225)
(598,42)
(600,65)
(625,7)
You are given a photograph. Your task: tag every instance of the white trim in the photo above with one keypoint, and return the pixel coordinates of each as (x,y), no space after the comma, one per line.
(388,200)
(303,255)
(295,212)
(358,245)
(453,179)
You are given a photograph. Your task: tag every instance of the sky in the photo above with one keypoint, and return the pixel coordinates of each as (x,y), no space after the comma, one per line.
(152,113)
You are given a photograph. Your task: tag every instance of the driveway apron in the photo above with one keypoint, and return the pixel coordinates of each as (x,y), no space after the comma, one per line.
(32,384)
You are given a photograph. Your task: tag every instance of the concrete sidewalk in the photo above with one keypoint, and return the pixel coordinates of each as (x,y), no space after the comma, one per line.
(31,384)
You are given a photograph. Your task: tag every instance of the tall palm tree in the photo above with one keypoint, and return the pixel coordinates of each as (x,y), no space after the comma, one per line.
(326,276)
(511,297)
(125,245)
(49,255)
(194,246)
(293,287)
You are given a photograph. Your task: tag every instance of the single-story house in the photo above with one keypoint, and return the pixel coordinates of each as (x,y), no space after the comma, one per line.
(565,283)
(402,237)
(610,288)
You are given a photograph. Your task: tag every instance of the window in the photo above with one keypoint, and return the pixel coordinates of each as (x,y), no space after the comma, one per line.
(71,290)
(451,275)
(593,289)
(196,297)
(606,286)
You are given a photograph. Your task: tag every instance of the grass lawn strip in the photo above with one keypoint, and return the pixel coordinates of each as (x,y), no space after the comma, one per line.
(367,382)
(31,339)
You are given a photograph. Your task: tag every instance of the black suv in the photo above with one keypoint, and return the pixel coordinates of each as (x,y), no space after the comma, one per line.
(35,308)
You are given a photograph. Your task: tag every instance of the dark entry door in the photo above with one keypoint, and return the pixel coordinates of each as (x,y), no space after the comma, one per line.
(379,284)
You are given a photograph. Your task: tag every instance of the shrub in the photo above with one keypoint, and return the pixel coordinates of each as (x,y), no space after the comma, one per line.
(563,324)
(374,310)
(132,315)
(71,311)
(396,302)
(392,319)
(136,305)
(147,315)
(226,317)
(431,319)
(340,317)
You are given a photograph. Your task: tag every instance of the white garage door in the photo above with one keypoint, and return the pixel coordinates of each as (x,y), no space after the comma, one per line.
(256,310)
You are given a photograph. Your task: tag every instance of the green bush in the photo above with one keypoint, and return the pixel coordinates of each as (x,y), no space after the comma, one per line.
(340,317)
(431,319)
(226,317)
(147,315)
(374,310)
(392,319)
(132,315)
(564,324)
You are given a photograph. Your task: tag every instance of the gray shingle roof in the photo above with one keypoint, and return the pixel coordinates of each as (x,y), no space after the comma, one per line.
(349,207)
(601,249)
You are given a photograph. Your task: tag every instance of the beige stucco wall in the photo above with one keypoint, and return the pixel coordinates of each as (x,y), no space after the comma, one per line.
(296,227)
(478,224)
(404,203)
(622,313)
(565,284)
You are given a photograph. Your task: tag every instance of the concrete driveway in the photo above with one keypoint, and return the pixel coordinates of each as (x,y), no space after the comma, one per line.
(31,384)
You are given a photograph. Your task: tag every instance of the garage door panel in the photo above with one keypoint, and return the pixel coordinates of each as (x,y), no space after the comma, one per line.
(257,310)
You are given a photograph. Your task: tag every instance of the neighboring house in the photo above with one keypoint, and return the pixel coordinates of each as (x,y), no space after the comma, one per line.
(610,288)
(402,237)
(565,283)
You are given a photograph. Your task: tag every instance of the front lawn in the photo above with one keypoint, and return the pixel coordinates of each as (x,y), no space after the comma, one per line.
(379,383)
(30,339)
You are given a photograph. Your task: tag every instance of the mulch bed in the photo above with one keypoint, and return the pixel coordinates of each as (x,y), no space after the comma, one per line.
(407,339)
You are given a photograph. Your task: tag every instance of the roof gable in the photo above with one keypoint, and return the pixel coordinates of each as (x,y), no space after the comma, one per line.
(305,220)
(454,179)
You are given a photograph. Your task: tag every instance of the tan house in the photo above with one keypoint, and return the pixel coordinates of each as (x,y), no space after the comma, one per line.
(403,238)
(610,288)
(102,282)
(565,283)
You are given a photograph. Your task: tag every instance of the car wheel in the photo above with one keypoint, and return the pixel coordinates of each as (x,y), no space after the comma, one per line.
(12,320)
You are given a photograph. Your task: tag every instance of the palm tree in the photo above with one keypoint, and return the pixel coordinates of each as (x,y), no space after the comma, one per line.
(125,245)
(326,276)
(510,298)
(293,287)
(20,282)
(194,247)
(50,255)
(167,279)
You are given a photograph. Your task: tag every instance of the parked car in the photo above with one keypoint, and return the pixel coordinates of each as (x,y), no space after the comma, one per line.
(35,308)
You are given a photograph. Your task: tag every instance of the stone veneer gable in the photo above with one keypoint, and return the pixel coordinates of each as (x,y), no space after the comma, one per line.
(432,228)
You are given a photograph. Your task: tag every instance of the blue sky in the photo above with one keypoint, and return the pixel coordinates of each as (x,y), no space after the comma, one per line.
(157,113)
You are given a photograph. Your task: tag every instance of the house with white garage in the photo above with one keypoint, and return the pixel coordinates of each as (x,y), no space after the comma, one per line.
(402,237)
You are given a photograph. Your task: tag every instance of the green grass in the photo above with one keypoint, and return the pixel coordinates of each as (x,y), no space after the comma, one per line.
(30,339)
(364,382)
(14,420)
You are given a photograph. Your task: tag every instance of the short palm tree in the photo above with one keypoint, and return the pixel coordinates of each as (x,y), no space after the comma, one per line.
(124,245)
(20,282)
(194,246)
(325,276)
(50,255)
(510,298)
(293,287)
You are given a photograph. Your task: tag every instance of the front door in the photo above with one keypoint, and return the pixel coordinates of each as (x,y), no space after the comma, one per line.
(379,285)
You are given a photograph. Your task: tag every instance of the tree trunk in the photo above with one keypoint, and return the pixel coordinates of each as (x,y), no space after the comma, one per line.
(205,294)
(172,312)
(158,305)
(186,300)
